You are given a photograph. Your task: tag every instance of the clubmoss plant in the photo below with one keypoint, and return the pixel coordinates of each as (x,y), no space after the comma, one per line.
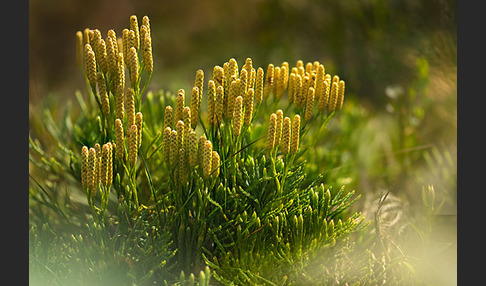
(90,64)
(226,204)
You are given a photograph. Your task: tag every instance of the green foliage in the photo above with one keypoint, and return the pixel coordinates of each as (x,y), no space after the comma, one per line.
(105,254)
(271,210)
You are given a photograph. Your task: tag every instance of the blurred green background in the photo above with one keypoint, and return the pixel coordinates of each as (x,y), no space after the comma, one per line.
(398,58)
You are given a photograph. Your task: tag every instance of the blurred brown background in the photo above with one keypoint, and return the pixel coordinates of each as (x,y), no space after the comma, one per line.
(371,44)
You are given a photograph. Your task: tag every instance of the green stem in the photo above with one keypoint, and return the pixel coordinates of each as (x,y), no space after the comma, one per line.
(97,98)
(287,158)
(145,85)
(274,170)
(134,186)
(130,171)
(104,133)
